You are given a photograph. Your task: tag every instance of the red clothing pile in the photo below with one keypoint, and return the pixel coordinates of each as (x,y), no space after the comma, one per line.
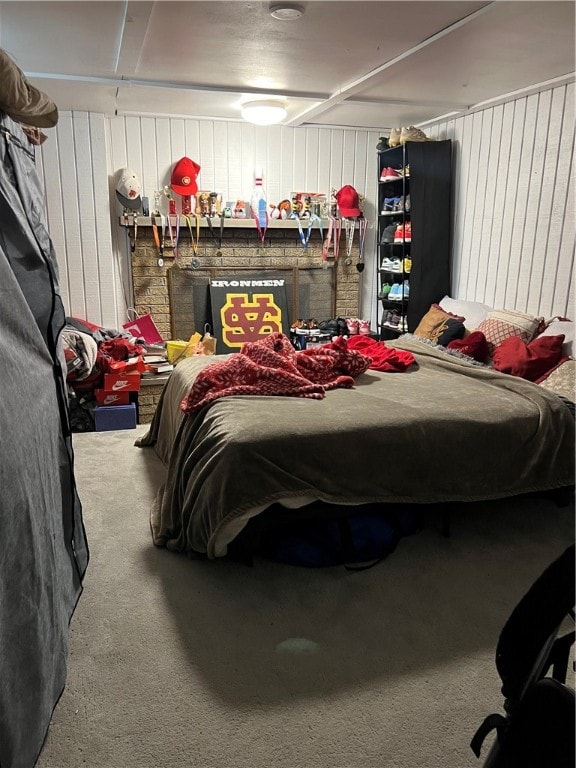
(383,358)
(273,367)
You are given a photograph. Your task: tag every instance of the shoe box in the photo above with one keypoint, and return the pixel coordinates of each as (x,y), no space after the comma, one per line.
(117,402)
(111,398)
(121,382)
(111,417)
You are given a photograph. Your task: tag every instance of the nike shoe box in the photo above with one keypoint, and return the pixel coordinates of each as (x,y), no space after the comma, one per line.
(126,382)
(110,417)
(112,398)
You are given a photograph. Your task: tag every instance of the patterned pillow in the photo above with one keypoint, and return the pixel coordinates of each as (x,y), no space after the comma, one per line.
(439,326)
(501,324)
(561,379)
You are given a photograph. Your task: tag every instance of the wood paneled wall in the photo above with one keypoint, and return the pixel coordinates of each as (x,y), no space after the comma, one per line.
(514,222)
(514,207)
(74,165)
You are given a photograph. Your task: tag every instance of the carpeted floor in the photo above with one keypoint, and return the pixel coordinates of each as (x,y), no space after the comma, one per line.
(178,663)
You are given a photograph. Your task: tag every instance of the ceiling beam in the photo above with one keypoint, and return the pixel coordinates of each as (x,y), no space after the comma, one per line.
(360,83)
(405,103)
(137,82)
(132,36)
(131,82)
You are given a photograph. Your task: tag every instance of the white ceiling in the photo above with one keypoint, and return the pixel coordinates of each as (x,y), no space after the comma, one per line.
(359,64)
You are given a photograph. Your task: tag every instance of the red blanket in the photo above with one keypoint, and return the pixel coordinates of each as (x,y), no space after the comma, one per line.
(273,367)
(383,358)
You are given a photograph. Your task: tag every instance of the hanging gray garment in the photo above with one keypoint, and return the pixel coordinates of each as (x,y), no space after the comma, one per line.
(43,548)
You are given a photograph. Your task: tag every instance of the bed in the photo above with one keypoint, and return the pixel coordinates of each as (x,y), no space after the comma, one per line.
(446,429)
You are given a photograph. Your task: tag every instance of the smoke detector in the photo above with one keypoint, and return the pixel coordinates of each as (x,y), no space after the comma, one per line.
(286,11)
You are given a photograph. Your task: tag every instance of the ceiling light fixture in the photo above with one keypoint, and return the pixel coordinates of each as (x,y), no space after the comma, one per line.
(265,112)
(286,11)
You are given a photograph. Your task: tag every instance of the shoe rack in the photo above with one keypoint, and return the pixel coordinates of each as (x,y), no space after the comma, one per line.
(414,232)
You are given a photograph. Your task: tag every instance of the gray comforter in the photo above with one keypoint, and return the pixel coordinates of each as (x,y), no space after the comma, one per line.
(445,430)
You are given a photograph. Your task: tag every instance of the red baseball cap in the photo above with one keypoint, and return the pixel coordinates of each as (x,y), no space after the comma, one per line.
(183,179)
(348,203)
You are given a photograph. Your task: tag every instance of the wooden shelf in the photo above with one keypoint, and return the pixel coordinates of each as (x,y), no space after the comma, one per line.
(146,221)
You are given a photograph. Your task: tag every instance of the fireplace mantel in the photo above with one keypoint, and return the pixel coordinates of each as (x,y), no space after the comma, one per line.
(229,223)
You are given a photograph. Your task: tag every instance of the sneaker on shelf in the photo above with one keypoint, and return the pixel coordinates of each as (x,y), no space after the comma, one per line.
(391,206)
(389,174)
(393,295)
(353,325)
(394,138)
(364,328)
(388,234)
(406,289)
(407,264)
(394,320)
(386,263)
(382,144)
(404,171)
(388,205)
(403,326)
(403,204)
(412,134)
(396,265)
(403,233)
(384,290)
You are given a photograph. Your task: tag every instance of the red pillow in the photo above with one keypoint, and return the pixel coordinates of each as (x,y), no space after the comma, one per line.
(474,345)
(529,361)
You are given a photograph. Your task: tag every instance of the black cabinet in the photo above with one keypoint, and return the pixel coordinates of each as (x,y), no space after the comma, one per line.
(414,233)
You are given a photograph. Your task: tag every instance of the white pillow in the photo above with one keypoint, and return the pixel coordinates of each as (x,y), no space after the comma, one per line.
(556,327)
(473,311)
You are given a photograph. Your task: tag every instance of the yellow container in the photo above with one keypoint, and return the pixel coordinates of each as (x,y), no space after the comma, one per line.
(176,349)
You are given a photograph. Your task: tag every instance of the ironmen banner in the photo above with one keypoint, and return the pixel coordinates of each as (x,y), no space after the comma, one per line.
(247,308)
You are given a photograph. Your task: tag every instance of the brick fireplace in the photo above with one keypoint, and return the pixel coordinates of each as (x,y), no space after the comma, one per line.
(156,288)
(241,249)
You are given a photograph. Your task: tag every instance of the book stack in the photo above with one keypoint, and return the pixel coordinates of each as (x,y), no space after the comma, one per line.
(156,364)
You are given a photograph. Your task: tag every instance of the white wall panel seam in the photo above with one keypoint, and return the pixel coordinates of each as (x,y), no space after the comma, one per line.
(567,223)
(535,199)
(544,226)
